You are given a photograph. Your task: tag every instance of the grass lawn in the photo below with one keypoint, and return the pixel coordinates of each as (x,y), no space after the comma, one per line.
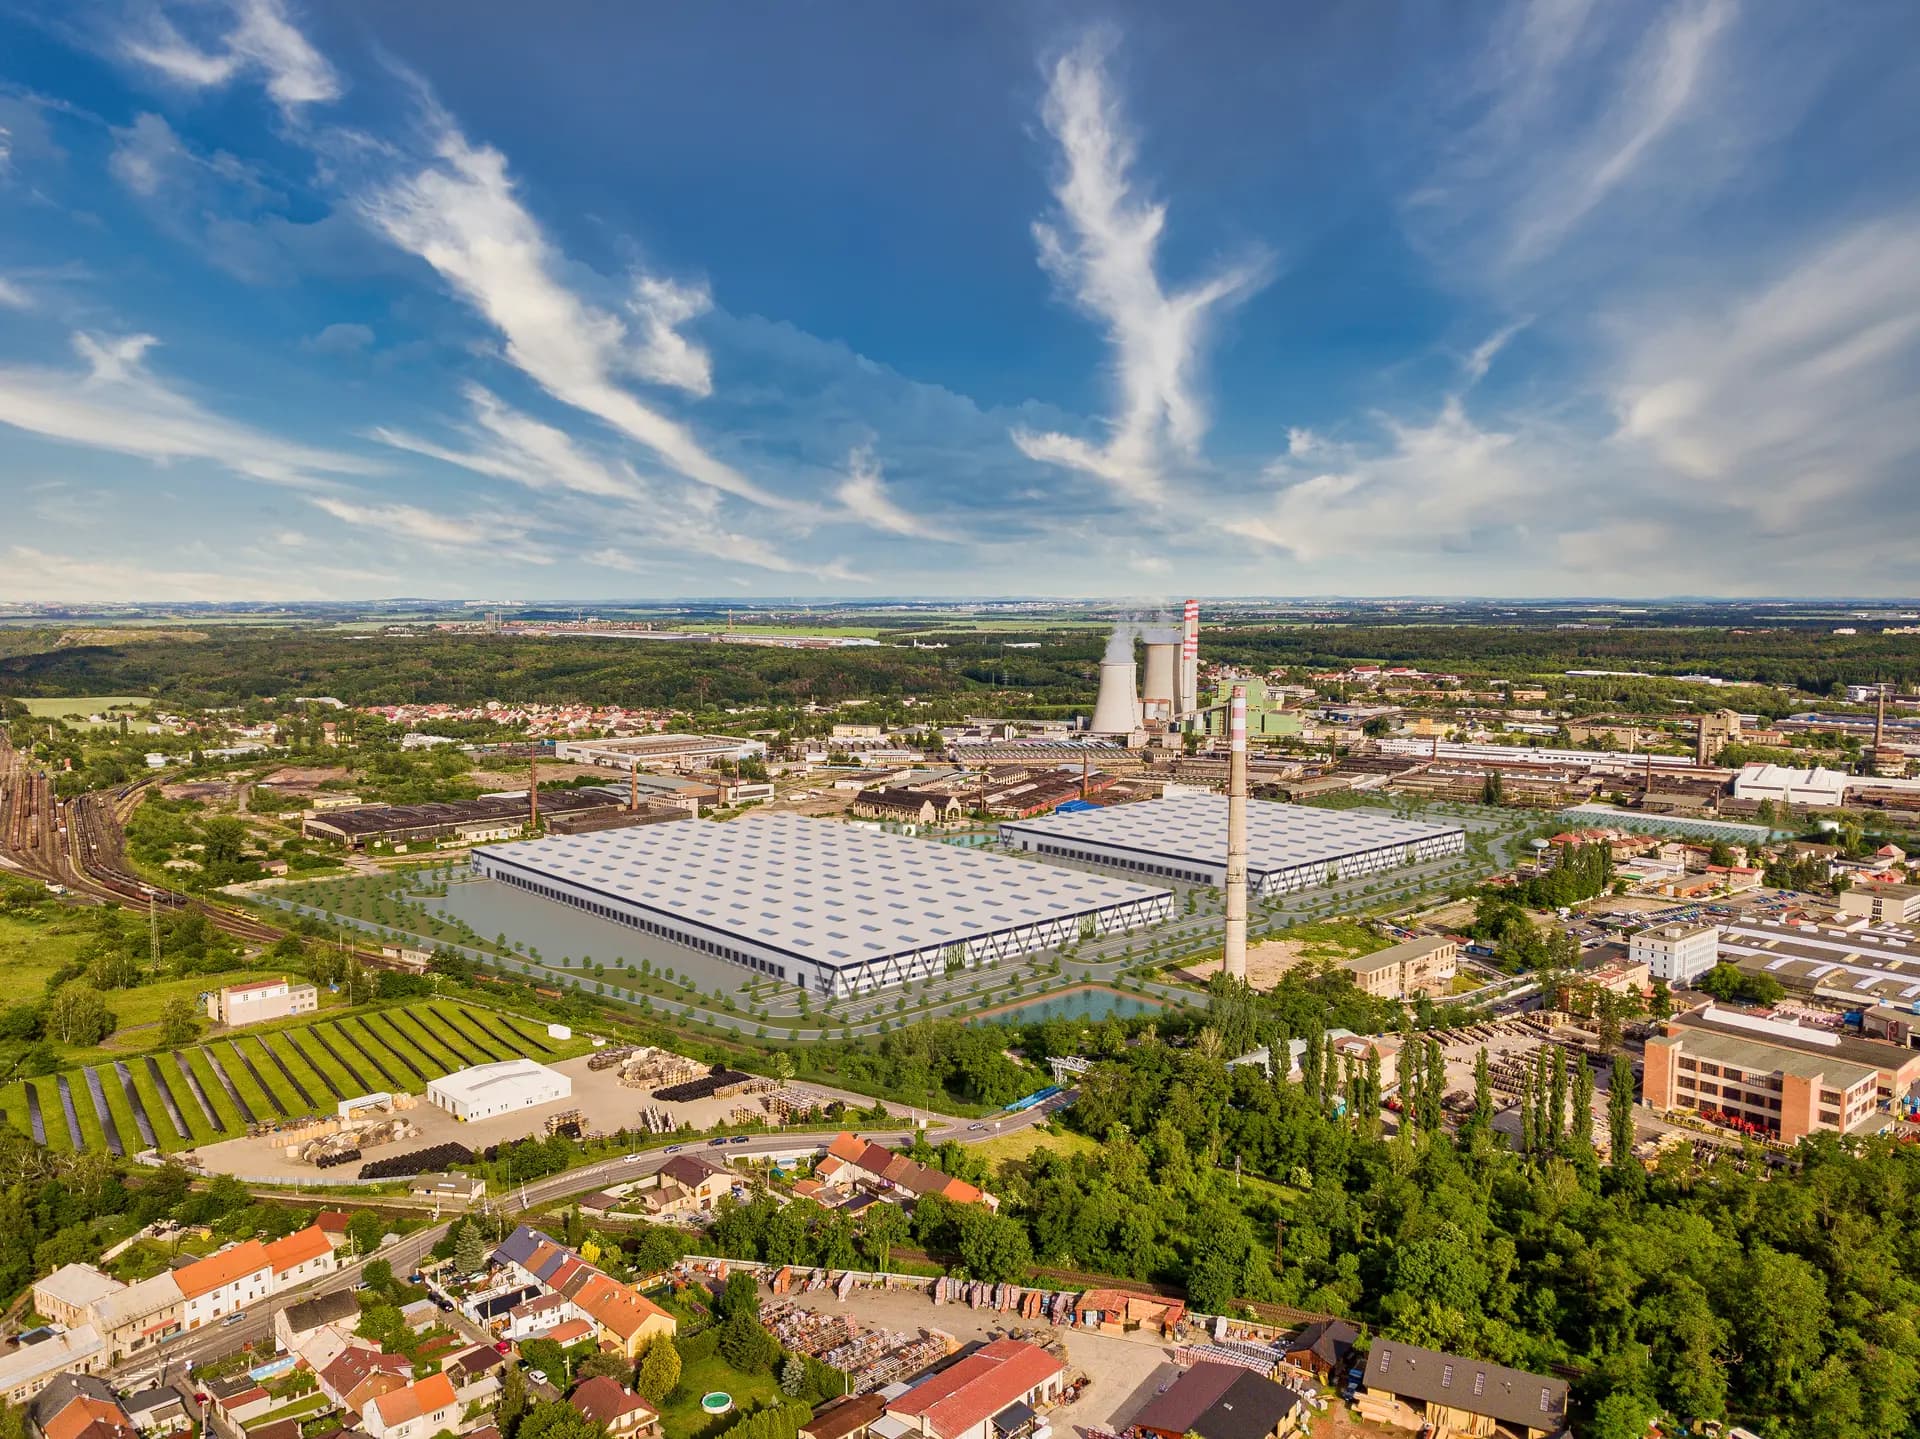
(298,1409)
(30,950)
(1026,1141)
(681,1416)
(1332,939)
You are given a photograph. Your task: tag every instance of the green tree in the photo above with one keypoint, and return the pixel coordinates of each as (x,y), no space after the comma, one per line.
(179,1021)
(557,1419)
(993,1247)
(548,1357)
(793,1376)
(78,1015)
(882,1227)
(740,1296)
(1620,1111)
(470,1248)
(659,1369)
(513,1403)
(746,1345)
(1482,1090)
(365,1229)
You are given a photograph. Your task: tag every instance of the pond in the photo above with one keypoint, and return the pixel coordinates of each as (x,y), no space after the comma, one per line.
(1087,1002)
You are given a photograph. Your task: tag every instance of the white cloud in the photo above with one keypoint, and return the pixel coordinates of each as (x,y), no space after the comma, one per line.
(507,444)
(460,214)
(1429,484)
(343,338)
(1480,359)
(1792,395)
(258,38)
(116,403)
(1103,254)
(146,154)
(661,353)
(410,522)
(864,495)
(12,297)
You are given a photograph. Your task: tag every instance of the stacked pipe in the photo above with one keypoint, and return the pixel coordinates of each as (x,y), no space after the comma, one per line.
(1236,946)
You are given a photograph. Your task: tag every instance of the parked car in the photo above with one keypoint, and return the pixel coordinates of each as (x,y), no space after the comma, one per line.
(235,1317)
(500,1346)
(538,1376)
(673,1149)
(715,1143)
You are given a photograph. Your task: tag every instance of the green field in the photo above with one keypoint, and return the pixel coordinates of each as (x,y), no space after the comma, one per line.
(75,710)
(33,949)
(681,1417)
(335,1056)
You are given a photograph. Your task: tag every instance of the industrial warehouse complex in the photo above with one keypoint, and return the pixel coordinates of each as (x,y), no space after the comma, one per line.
(836,908)
(481,1091)
(1184,838)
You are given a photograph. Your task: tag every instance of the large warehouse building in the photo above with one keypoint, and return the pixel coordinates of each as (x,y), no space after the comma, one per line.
(837,908)
(1184,838)
(482,1091)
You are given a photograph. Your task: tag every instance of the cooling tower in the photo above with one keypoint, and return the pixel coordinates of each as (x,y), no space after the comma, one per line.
(1117,710)
(1162,694)
(1235,954)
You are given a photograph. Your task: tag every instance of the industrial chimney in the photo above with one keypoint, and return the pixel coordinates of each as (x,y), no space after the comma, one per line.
(1236,947)
(1117,709)
(1162,695)
(1190,660)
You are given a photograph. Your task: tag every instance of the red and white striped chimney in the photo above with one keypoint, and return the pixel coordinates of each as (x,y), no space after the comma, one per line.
(1235,957)
(1190,659)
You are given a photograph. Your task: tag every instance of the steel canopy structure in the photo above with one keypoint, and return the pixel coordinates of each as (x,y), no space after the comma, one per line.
(1184,838)
(840,909)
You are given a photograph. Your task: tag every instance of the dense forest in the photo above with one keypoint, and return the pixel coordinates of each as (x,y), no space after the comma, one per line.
(236,666)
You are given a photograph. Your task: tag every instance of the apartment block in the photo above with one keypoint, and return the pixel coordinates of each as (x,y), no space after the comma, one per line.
(1882,903)
(1677,953)
(261,1000)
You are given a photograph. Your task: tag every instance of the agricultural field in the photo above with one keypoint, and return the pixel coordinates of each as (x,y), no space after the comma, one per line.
(240,1080)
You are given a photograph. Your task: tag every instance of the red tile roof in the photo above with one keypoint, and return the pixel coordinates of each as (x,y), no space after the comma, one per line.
(298,1248)
(432,1393)
(606,1401)
(615,1307)
(978,1387)
(219,1270)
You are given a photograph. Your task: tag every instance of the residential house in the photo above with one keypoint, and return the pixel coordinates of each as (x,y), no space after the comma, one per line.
(960,1401)
(158,1411)
(534,1318)
(143,1313)
(361,1375)
(615,1408)
(475,1373)
(74,1404)
(238,1399)
(1325,1348)
(851,1160)
(66,1297)
(621,1316)
(849,1417)
(295,1324)
(333,1223)
(303,1255)
(1224,1401)
(700,1178)
(224,1283)
(1458,1396)
(418,1411)
(30,1367)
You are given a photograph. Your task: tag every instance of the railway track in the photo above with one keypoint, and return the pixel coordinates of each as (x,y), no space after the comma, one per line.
(80,845)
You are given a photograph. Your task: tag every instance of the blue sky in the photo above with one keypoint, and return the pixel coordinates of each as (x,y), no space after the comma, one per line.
(570,300)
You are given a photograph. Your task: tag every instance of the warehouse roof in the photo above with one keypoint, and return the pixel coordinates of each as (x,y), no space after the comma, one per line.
(1193,827)
(502,1076)
(1512,1396)
(834,893)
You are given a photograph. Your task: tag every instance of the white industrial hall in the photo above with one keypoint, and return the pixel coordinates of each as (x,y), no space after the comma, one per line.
(837,908)
(1184,838)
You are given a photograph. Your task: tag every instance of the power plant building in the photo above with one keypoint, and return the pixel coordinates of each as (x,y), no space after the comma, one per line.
(1184,838)
(839,909)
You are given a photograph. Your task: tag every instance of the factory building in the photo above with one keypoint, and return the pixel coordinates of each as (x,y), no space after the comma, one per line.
(260,1000)
(839,909)
(659,751)
(482,1091)
(1782,1091)
(1676,953)
(1184,838)
(466,821)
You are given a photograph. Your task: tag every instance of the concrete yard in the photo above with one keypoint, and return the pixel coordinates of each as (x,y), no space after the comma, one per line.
(606,1104)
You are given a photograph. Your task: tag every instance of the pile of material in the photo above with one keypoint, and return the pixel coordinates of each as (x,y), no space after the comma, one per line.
(871,1358)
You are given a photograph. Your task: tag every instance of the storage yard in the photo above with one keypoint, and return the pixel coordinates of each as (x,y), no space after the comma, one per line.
(1183,839)
(839,909)
(266,1082)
